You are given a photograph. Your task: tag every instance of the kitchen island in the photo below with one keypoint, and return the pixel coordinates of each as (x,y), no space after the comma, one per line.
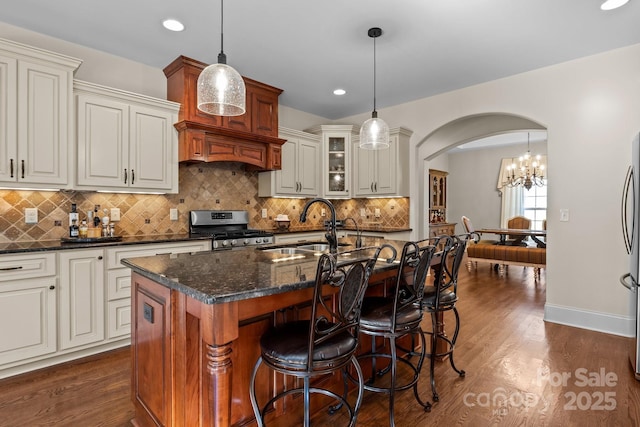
(197,320)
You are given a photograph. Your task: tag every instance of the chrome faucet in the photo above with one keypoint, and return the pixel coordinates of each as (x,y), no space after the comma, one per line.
(358,234)
(331,236)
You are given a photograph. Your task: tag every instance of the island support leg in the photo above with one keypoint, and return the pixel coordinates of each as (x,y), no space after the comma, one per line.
(219,368)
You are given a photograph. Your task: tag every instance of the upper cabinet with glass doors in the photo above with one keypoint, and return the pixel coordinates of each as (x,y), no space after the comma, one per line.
(336,159)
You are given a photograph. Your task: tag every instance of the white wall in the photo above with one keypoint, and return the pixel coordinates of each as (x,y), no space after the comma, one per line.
(472,182)
(591,109)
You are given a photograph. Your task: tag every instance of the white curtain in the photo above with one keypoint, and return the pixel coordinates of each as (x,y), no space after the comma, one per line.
(512,197)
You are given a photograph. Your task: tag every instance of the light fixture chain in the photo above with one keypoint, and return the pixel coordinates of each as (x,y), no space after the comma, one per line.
(222,26)
(374,74)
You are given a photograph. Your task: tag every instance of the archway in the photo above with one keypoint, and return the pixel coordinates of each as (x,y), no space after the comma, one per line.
(452,134)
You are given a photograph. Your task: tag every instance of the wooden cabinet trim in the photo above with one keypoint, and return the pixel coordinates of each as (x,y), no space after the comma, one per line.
(258,127)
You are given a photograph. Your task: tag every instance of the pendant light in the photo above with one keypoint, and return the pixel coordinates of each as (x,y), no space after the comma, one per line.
(374,133)
(221,89)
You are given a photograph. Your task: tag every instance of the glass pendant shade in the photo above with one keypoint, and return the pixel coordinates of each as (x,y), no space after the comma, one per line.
(221,91)
(374,134)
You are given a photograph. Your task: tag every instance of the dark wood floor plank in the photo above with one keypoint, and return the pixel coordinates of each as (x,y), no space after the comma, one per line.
(505,347)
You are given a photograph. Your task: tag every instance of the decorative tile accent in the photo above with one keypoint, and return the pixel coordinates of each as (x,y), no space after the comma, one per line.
(221,185)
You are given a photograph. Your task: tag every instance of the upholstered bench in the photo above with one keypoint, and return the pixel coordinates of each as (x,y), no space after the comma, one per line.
(502,255)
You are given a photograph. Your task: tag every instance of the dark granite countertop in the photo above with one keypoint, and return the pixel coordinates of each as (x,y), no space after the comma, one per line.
(223,276)
(55,245)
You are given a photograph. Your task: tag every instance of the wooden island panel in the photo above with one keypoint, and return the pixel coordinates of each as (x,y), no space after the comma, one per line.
(193,364)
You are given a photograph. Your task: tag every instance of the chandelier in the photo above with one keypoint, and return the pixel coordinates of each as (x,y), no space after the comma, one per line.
(528,173)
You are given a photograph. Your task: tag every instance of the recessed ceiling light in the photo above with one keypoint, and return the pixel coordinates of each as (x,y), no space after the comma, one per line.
(173,25)
(339,92)
(613,4)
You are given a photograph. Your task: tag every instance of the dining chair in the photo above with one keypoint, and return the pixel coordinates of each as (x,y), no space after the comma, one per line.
(520,223)
(470,229)
(476,239)
(326,342)
(392,317)
(440,298)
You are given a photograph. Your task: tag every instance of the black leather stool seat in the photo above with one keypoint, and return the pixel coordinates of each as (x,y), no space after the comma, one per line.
(287,346)
(377,314)
(447,296)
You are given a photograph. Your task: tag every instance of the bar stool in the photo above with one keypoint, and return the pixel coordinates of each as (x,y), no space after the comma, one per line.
(395,316)
(442,297)
(324,344)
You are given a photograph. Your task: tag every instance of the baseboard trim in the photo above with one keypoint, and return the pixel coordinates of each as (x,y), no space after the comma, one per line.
(591,320)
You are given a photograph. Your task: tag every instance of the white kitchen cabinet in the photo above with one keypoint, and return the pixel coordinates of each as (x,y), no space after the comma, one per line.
(125,141)
(383,173)
(55,306)
(118,305)
(27,307)
(300,173)
(336,159)
(36,117)
(81,297)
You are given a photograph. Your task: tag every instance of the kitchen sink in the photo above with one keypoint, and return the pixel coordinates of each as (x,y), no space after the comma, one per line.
(318,247)
(289,251)
(321,247)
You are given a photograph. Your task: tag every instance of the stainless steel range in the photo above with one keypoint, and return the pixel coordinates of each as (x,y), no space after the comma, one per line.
(227,229)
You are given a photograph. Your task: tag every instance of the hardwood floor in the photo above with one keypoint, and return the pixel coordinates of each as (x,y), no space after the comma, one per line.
(521,371)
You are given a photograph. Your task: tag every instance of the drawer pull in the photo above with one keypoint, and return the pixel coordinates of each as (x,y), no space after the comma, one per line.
(52,287)
(100,257)
(11,268)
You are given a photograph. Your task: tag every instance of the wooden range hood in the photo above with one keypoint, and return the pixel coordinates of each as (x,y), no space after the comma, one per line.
(251,138)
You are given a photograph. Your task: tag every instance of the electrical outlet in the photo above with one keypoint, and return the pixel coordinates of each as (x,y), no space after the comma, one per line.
(173,214)
(377,213)
(363,212)
(564,215)
(264,213)
(115,214)
(31,215)
(323,212)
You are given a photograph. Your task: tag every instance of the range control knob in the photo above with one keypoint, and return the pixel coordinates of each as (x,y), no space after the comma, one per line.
(246,242)
(224,243)
(233,242)
(258,240)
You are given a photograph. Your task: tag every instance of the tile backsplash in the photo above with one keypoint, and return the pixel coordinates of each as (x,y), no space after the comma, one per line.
(221,185)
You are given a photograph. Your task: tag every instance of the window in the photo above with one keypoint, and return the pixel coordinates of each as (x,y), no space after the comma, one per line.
(535,205)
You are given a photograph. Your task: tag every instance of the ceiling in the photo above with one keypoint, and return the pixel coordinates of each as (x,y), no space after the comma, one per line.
(310,48)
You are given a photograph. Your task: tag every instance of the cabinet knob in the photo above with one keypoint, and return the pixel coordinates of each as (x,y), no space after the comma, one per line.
(100,257)
(52,287)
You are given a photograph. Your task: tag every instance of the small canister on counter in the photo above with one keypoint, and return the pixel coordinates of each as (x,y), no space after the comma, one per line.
(83,230)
